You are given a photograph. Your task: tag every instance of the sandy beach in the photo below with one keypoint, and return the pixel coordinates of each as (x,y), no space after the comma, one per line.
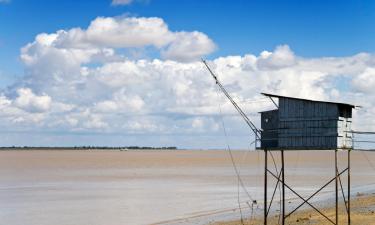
(362,213)
(93,187)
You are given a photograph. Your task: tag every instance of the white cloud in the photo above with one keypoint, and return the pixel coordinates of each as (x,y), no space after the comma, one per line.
(30,102)
(106,33)
(121,2)
(121,102)
(4,1)
(80,80)
(173,96)
(365,82)
(129,32)
(189,46)
(280,58)
(127,2)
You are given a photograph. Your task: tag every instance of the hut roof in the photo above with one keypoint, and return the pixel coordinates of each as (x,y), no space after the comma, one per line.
(304,99)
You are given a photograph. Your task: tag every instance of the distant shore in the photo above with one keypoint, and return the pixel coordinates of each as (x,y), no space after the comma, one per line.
(90,148)
(362,213)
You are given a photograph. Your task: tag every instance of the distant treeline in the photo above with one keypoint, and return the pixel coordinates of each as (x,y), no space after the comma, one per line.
(90,148)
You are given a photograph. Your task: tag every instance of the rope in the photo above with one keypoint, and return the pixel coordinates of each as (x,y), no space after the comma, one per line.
(277,172)
(238,200)
(369,162)
(239,110)
(362,132)
(239,179)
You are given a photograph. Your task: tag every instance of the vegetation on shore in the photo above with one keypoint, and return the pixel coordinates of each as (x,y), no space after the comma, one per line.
(88,147)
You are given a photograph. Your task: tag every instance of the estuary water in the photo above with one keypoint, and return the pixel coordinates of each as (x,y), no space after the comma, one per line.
(55,187)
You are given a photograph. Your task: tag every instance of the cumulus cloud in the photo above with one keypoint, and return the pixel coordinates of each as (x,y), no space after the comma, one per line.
(281,57)
(128,32)
(30,102)
(126,2)
(187,46)
(121,2)
(80,80)
(365,82)
(121,94)
(107,33)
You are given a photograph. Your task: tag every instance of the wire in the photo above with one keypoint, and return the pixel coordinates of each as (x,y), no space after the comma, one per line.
(369,162)
(259,180)
(239,179)
(238,200)
(362,132)
(277,172)
(253,101)
(239,110)
(247,152)
(234,163)
(363,150)
(364,141)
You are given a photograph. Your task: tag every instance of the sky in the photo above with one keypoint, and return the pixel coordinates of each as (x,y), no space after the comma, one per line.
(127,72)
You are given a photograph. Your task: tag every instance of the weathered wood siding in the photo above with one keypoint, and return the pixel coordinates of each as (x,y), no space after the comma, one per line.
(306,124)
(269,124)
(344,139)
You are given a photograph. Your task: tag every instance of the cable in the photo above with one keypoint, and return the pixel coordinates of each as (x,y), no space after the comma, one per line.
(240,182)
(238,201)
(247,152)
(254,101)
(277,172)
(239,110)
(254,202)
(363,141)
(362,132)
(369,162)
(258,181)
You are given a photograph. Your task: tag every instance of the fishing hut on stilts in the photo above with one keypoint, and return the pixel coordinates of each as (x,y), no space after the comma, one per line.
(302,125)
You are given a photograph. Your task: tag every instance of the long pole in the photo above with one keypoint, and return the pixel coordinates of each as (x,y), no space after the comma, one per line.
(336,187)
(283,187)
(265,186)
(239,110)
(349,186)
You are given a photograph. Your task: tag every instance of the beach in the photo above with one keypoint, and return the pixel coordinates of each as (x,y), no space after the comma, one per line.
(362,213)
(96,187)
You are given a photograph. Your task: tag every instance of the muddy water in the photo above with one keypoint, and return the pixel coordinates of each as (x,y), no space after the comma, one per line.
(145,187)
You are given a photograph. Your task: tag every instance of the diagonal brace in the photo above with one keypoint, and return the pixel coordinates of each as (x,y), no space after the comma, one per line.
(315,193)
(274,192)
(303,198)
(343,194)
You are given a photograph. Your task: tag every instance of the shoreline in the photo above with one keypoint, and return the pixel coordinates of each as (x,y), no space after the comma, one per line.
(360,200)
(362,213)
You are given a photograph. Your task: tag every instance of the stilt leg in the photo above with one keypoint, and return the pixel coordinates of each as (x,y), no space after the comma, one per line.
(336,189)
(283,187)
(265,186)
(349,186)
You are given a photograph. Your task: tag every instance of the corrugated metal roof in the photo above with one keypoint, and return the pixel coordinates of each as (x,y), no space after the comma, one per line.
(304,99)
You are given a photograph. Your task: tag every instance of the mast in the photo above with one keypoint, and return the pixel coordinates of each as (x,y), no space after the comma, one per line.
(239,110)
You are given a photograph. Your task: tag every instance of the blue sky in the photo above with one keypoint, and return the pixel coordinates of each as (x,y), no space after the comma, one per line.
(309,30)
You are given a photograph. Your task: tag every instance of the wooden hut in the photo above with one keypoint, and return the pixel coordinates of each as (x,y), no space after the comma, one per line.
(304,124)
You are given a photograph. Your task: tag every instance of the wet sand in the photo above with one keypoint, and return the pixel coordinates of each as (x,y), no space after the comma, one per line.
(362,213)
(44,187)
